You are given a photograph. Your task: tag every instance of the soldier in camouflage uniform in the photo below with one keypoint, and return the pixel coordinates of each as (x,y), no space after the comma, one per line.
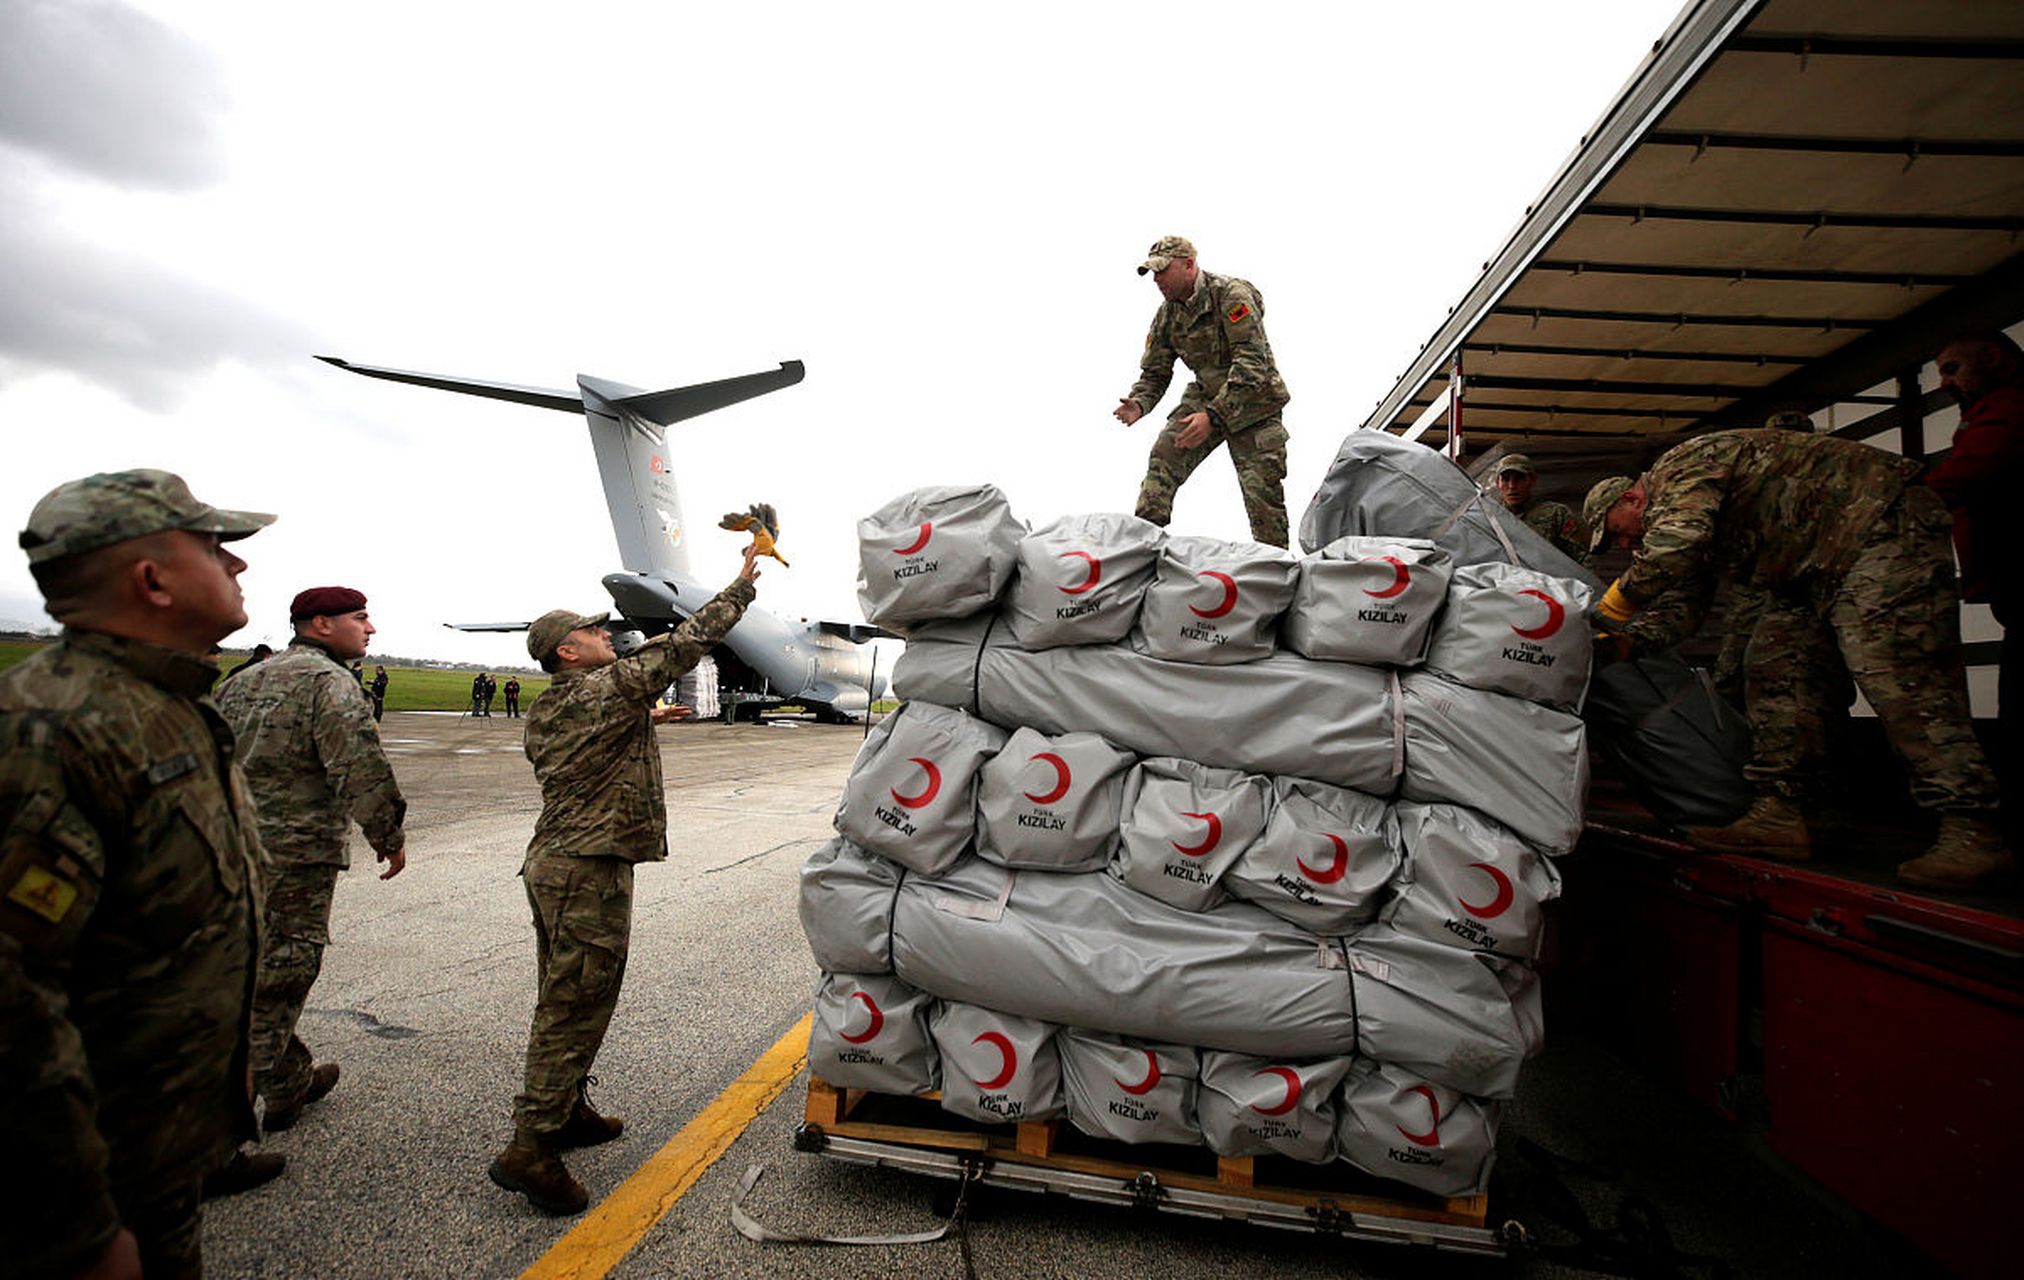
(1216,326)
(313,759)
(1554,521)
(1839,540)
(129,886)
(590,738)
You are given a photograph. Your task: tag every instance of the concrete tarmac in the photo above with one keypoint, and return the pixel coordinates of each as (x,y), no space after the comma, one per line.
(427,989)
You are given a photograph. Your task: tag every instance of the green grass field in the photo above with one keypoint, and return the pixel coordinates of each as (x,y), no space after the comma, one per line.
(408,688)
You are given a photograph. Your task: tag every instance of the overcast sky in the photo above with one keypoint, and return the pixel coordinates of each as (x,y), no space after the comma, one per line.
(937,207)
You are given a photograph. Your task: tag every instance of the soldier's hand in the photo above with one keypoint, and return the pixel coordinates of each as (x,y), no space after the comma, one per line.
(750,572)
(672,712)
(395,861)
(1194,430)
(120,1261)
(1128,411)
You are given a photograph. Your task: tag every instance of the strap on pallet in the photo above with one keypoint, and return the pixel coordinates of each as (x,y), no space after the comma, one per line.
(752,1229)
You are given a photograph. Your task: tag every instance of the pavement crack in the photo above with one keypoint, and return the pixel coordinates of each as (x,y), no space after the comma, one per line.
(752,857)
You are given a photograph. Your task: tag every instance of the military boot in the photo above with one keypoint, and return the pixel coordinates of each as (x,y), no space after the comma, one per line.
(530,1166)
(1969,850)
(585,1127)
(322,1079)
(1773,828)
(243,1172)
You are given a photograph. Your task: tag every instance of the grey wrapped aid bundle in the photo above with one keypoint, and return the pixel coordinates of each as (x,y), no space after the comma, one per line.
(1514,631)
(1279,715)
(912,793)
(1051,803)
(1089,951)
(940,552)
(1081,579)
(1251,1106)
(1394,1124)
(1520,763)
(1467,882)
(1213,602)
(1326,860)
(1368,600)
(1462,1018)
(1382,486)
(1129,1090)
(997,1068)
(1184,825)
(871,1032)
(846,907)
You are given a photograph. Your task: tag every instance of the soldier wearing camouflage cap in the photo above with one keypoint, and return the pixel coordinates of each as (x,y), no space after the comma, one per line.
(1840,541)
(590,738)
(312,754)
(1216,326)
(1515,479)
(129,884)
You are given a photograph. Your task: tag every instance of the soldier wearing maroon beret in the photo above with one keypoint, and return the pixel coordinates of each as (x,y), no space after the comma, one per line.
(312,755)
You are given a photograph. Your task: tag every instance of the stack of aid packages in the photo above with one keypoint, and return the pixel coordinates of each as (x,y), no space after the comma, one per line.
(1195,842)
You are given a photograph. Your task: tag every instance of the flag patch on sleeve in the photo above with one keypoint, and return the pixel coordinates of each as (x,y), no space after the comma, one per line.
(44,893)
(1237,313)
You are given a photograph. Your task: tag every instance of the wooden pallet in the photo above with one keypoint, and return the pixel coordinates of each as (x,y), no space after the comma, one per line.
(1326,1192)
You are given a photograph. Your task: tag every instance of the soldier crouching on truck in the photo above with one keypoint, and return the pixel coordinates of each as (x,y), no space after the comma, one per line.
(591,741)
(1838,539)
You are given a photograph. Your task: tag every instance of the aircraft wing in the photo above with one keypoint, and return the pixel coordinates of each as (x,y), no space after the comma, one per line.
(488,626)
(567,401)
(857,632)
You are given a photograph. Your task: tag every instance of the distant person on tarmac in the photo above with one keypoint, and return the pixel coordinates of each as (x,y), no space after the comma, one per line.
(1556,522)
(314,763)
(379,693)
(512,697)
(591,741)
(1216,326)
(129,886)
(1982,481)
(478,694)
(491,691)
(1841,541)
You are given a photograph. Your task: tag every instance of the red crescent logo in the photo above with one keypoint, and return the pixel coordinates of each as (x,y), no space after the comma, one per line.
(1292,1079)
(1145,1086)
(1210,841)
(657,466)
(1432,1137)
(927,531)
(1335,869)
(878,1020)
(1401,576)
(1497,905)
(997,1040)
(1229,595)
(1556,613)
(927,793)
(1095,572)
(1060,778)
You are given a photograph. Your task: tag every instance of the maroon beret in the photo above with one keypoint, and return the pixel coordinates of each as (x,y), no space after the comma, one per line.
(318,601)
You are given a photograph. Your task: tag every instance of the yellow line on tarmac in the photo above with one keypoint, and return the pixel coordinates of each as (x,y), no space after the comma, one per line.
(610,1230)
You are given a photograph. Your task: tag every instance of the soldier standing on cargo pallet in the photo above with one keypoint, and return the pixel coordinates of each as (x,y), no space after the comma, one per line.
(591,741)
(313,760)
(129,885)
(1216,325)
(1556,522)
(1839,539)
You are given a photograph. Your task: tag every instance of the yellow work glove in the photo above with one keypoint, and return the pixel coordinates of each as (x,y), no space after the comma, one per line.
(1616,607)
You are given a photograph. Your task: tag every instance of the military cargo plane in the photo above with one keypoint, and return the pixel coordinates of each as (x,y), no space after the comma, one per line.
(766,660)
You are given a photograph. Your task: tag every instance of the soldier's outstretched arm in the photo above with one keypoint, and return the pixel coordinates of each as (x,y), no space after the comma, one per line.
(643,675)
(62,1217)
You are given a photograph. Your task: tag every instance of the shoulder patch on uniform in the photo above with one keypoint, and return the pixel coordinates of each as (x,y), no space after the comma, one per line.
(1236,313)
(45,893)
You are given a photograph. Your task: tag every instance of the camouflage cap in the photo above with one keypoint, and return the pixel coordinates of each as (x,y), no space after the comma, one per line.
(1596,506)
(548,631)
(1789,420)
(1165,250)
(1516,462)
(97,511)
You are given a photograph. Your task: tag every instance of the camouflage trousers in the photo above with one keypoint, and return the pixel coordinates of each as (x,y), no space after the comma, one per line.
(1894,621)
(168,1225)
(298,928)
(582,930)
(1259,454)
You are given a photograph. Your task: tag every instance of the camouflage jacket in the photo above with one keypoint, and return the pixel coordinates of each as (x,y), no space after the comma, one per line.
(1220,334)
(1765,506)
(1557,523)
(129,939)
(593,749)
(313,759)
